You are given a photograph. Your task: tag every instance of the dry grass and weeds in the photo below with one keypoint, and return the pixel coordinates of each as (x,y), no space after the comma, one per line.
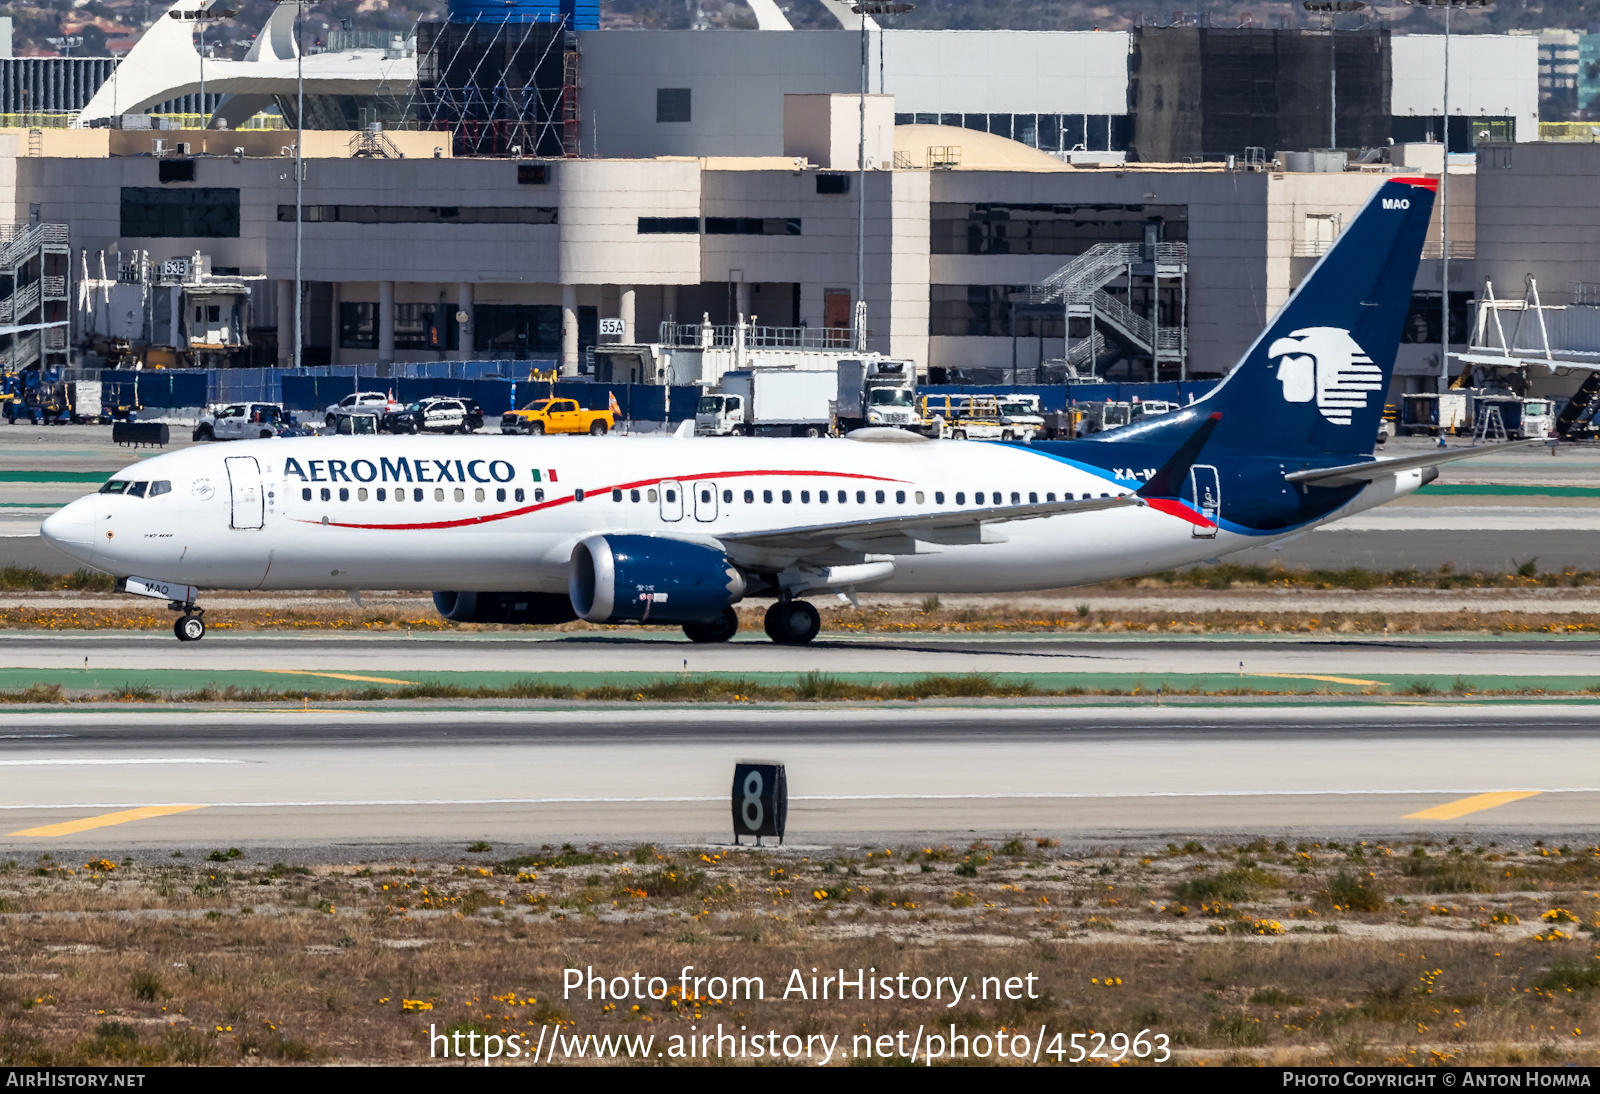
(1235,575)
(29,579)
(819,687)
(331,611)
(1265,952)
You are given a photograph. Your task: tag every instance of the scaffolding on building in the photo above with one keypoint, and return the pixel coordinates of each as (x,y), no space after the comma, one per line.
(499,87)
(35,265)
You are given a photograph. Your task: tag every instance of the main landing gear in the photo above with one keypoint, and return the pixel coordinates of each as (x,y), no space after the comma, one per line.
(191,625)
(788,623)
(720,629)
(792,622)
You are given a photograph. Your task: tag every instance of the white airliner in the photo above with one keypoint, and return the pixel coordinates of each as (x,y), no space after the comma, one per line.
(541,530)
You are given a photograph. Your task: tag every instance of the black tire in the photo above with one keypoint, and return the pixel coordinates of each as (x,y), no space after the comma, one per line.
(597,429)
(189,628)
(1007,435)
(329,420)
(266,433)
(738,431)
(535,428)
(792,622)
(720,629)
(958,434)
(205,433)
(811,431)
(415,428)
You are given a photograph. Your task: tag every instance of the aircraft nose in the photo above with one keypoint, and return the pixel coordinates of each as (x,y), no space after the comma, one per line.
(70,530)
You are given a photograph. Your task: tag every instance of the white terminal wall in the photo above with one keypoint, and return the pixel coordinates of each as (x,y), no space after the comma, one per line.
(1491,75)
(1538,213)
(738,79)
(1005,71)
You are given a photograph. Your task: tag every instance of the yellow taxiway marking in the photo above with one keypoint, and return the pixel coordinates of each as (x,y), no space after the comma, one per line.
(339,676)
(1325,679)
(67,828)
(1475,804)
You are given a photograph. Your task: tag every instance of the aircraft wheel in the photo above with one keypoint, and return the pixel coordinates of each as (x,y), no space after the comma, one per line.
(189,628)
(792,622)
(720,629)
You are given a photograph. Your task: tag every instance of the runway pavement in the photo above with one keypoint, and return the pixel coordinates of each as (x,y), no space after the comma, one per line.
(412,659)
(337,782)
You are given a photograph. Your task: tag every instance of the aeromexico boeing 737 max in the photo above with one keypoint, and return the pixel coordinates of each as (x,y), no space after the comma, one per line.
(665,530)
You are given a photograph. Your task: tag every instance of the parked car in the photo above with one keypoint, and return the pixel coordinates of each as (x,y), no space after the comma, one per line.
(243,421)
(436,414)
(557,416)
(375,403)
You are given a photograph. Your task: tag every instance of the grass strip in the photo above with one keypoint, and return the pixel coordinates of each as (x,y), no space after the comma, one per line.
(781,687)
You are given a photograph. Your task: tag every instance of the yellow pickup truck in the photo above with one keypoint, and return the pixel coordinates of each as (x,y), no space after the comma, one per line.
(558,416)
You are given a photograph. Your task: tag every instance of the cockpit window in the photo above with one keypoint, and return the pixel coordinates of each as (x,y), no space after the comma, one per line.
(137,489)
(160,486)
(114,486)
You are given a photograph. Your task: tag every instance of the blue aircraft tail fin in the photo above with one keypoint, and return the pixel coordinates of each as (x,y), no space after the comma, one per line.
(1314,382)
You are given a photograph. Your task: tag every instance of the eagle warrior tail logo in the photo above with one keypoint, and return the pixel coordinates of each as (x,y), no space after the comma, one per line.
(1326,365)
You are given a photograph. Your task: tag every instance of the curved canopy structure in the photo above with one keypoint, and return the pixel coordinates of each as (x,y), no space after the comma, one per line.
(165,65)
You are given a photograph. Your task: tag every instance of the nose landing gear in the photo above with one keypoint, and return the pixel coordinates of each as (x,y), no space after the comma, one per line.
(191,625)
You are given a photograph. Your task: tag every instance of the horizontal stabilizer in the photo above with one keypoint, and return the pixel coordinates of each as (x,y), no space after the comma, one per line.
(1351,473)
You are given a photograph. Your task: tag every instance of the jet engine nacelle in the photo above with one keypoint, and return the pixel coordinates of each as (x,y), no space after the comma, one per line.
(527,608)
(640,579)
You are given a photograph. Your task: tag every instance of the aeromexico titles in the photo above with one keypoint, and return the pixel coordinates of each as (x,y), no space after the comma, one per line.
(541,530)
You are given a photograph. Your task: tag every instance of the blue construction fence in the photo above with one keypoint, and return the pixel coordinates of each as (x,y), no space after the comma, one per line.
(638,402)
(1057,396)
(311,391)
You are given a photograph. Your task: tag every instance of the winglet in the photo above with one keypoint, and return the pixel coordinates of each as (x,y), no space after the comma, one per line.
(1168,481)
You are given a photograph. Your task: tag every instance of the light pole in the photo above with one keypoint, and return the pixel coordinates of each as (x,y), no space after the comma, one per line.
(299,174)
(1444,185)
(1332,9)
(200,17)
(858,317)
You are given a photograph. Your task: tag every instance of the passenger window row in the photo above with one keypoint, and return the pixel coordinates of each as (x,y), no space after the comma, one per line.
(996,497)
(824,497)
(418,494)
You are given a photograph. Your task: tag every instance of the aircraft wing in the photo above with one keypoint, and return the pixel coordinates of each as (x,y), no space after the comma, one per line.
(1351,473)
(959,526)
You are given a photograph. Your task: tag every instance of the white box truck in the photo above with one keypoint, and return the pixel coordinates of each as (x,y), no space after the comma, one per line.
(769,402)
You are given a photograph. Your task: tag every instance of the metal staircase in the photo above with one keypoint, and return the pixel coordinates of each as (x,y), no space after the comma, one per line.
(1080,286)
(34,267)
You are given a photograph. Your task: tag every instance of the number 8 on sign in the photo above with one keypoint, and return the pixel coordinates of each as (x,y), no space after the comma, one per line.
(760,799)
(753,813)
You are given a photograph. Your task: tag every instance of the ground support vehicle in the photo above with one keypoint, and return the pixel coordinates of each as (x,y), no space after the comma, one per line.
(773,402)
(875,392)
(551,415)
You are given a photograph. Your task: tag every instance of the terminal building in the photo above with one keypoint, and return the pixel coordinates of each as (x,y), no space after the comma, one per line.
(670,179)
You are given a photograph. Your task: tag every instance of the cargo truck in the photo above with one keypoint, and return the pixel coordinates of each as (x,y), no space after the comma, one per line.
(769,402)
(876,392)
